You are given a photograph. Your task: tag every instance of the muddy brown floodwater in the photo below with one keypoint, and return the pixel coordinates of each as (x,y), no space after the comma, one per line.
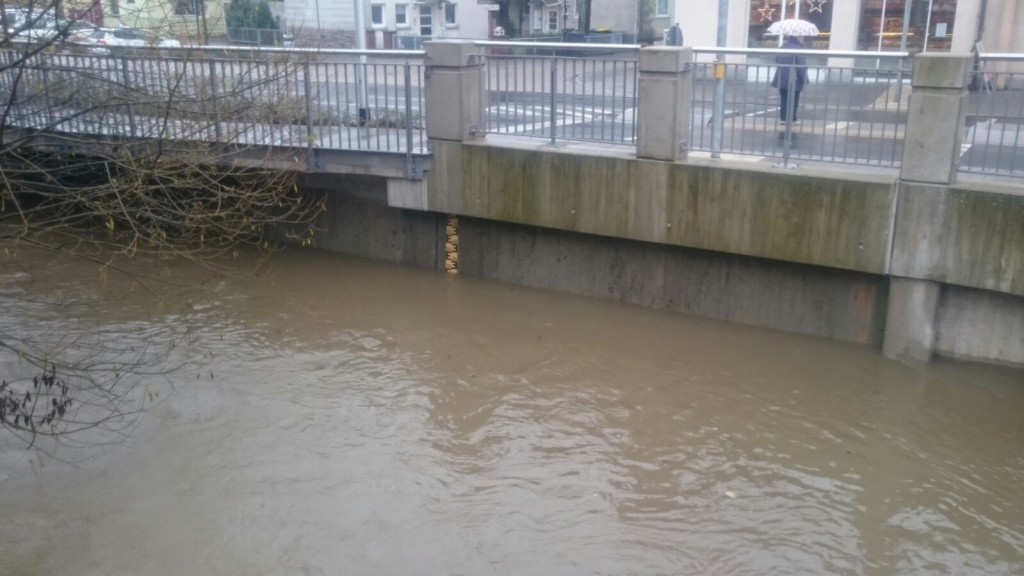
(339,416)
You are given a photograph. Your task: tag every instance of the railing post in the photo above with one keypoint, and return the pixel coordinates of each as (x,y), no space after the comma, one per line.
(213,99)
(718,107)
(125,83)
(47,99)
(554,90)
(410,168)
(308,89)
(453,91)
(664,95)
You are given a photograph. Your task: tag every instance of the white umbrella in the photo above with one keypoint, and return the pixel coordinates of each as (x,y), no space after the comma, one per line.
(793,27)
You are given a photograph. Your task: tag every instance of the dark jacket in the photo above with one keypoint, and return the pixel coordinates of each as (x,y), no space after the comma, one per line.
(787,63)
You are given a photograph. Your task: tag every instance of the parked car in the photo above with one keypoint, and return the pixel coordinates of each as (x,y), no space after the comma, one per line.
(105,38)
(26,25)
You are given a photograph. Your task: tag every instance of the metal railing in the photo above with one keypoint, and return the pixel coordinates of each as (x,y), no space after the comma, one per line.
(339,99)
(556,91)
(852,110)
(994,141)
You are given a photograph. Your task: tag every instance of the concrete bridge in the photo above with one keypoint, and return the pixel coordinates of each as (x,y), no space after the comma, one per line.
(917,260)
(913,261)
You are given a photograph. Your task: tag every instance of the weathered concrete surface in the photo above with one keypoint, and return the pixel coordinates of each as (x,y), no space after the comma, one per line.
(453,89)
(935,118)
(359,222)
(980,325)
(664,94)
(839,222)
(960,236)
(811,300)
(910,319)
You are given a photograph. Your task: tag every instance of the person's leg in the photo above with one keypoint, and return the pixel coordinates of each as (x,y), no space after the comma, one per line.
(783,103)
(796,105)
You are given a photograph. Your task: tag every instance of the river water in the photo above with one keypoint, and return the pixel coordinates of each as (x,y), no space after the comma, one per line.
(338,416)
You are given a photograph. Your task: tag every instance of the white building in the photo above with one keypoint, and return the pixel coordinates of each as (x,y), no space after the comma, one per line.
(931,25)
(386,19)
(873,25)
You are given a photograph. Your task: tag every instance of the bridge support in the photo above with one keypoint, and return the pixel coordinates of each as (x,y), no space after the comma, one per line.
(910,319)
(935,127)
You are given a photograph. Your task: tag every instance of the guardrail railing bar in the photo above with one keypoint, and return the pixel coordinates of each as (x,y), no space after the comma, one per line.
(554,70)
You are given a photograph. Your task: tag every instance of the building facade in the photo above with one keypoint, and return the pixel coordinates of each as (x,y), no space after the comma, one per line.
(391,23)
(191,21)
(871,25)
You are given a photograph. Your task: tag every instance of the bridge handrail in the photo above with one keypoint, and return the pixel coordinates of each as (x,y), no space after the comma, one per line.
(878,122)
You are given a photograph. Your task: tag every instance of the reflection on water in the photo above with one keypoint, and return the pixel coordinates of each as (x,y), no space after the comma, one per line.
(346,417)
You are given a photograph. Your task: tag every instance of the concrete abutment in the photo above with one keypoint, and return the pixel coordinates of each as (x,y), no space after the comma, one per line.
(918,265)
(968,323)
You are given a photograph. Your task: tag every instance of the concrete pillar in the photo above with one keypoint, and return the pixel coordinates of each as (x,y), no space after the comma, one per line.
(453,91)
(664,99)
(931,148)
(910,319)
(936,118)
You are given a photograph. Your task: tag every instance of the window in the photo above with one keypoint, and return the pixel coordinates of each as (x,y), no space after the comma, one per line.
(115,8)
(762,14)
(552,20)
(187,7)
(661,8)
(377,14)
(929,28)
(402,14)
(449,15)
(426,20)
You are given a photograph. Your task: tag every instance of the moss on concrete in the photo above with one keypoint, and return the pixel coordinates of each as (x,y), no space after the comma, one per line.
(840,223)
(961,236)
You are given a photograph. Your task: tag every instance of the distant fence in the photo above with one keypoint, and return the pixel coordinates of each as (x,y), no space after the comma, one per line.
(258,36)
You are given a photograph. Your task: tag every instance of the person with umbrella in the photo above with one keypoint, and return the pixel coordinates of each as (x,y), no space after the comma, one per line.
(791,69)
(790,78)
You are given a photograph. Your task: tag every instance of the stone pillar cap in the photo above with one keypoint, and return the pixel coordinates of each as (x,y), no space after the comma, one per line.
(450,53)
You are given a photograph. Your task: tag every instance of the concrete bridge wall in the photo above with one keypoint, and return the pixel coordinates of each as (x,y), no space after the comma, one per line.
(780,287)
(915,262)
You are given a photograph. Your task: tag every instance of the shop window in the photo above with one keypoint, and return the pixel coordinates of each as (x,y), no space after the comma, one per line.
(764,12)
(929,28)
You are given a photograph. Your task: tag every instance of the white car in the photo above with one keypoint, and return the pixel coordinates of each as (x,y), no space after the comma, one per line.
(104,38)
(25,25)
